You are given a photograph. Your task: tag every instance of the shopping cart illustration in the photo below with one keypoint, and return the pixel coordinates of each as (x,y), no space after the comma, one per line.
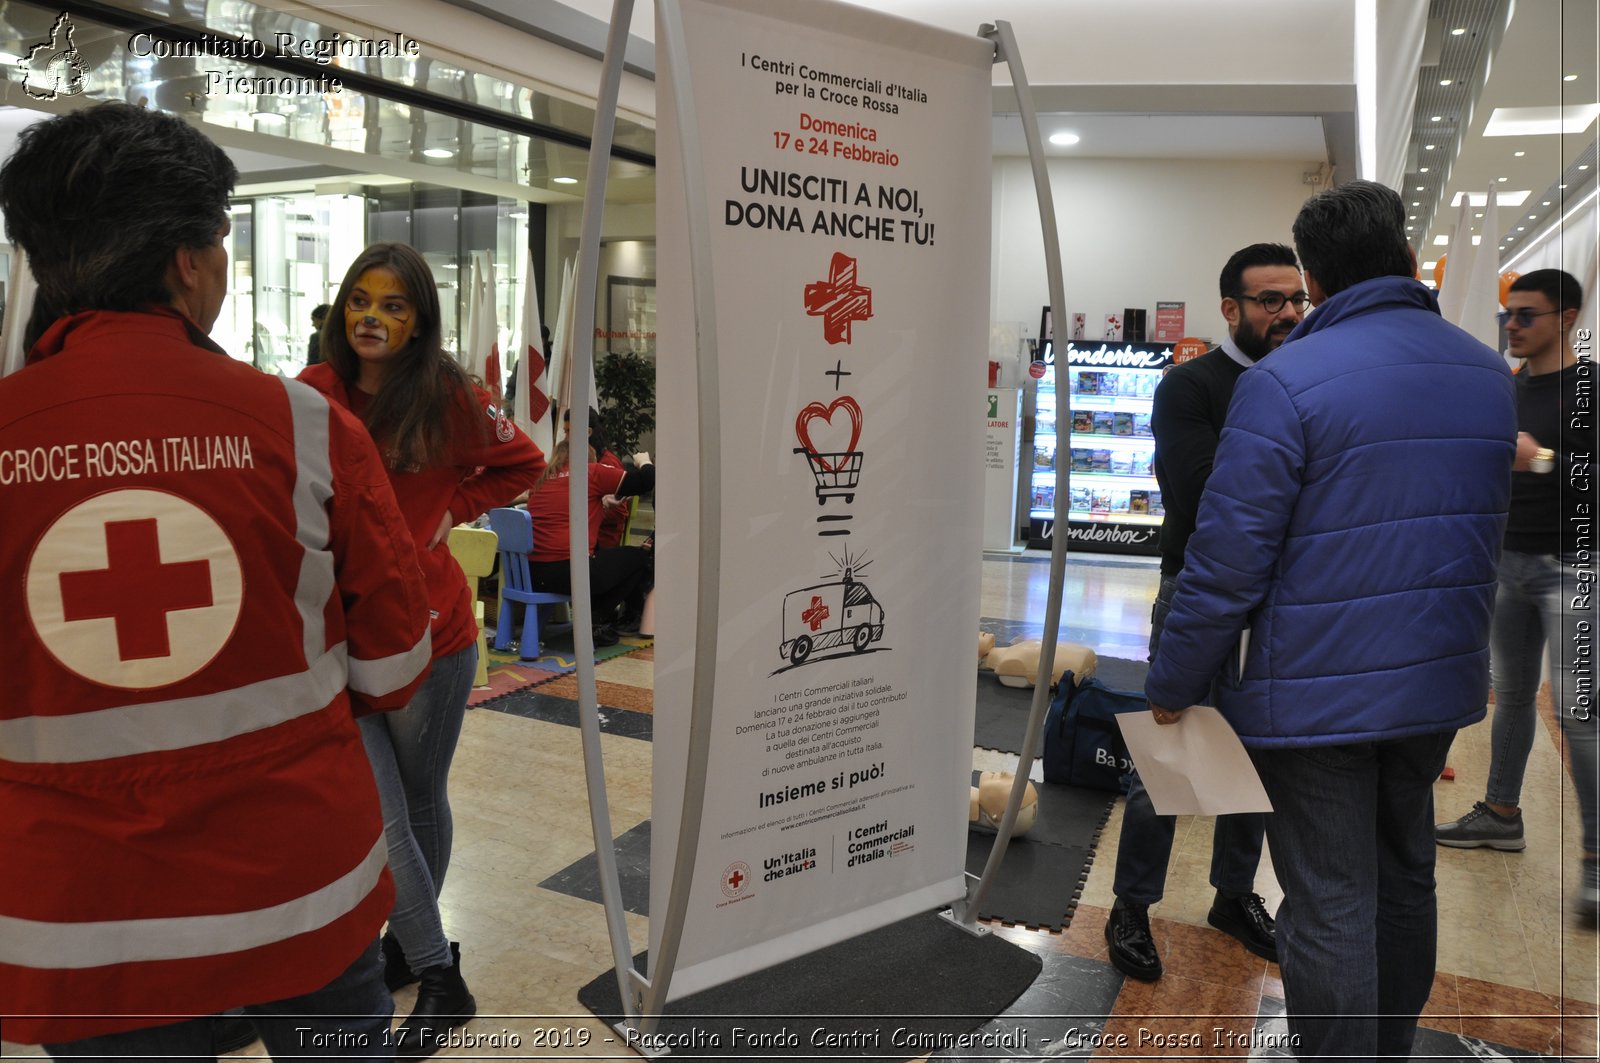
(837,474)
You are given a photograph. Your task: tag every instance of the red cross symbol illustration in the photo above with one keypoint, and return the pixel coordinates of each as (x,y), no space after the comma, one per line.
(816,614)
(136,589)
(839,300)
(736,879)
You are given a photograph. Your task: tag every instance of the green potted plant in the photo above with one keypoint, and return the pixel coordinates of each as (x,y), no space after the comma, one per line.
(627,386)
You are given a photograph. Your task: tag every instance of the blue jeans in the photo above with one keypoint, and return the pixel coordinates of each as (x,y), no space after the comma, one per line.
(1352,842)
(347,1018)
(1541,607)
(410,750)
(1146,844)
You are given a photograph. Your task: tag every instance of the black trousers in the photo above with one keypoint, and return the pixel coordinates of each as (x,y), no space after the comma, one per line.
(618,576)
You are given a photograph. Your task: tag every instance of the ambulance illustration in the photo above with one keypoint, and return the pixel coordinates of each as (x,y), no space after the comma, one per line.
(829,615)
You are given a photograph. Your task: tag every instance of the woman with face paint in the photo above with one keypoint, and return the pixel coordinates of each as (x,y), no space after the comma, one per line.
(451,456)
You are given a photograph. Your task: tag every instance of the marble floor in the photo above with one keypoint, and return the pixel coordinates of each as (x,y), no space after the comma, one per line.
(1517,971)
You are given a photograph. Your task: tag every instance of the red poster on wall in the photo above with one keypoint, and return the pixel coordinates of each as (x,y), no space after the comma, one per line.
(1169,322)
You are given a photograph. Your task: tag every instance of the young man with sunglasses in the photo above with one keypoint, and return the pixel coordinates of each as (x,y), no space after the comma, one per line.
(1262,301)
(1545,599)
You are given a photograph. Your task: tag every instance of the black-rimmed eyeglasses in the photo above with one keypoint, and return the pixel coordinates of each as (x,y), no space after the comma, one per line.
(1522,316)
(1273,302)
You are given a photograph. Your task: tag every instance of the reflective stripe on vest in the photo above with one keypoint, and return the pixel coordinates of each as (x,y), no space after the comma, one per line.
(75,946)
(378,677)
(313,487)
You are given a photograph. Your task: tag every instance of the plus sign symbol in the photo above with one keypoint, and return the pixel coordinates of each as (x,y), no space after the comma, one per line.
(839,300)
(816,614)
(735,878)
(134,589)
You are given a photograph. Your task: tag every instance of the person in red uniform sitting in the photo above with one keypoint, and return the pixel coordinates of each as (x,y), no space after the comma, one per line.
(452,456)
(614,511)
(207,574)
(618,577)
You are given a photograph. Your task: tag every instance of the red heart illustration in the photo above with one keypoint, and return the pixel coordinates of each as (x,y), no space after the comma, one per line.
(815,410)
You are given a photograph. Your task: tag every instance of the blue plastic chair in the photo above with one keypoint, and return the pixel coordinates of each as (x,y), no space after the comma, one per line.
(514,528)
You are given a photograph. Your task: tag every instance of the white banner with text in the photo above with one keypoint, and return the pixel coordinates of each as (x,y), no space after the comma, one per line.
(846,171)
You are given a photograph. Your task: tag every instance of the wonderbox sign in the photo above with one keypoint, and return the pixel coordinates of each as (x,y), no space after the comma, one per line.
(846,178)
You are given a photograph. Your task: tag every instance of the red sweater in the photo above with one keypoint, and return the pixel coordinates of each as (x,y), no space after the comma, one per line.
(550,508)
(482,472)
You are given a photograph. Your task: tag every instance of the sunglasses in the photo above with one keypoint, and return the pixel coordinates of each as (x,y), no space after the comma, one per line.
(1273,302)
(1522,316)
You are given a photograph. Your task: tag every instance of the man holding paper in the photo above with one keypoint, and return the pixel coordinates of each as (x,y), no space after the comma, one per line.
(1352,524)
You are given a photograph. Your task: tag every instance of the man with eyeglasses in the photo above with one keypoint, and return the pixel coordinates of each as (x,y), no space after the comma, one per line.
(1351,524)
(1545,598)
(1262,300)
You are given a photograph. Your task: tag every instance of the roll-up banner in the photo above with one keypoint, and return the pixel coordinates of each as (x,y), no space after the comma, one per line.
(846,170)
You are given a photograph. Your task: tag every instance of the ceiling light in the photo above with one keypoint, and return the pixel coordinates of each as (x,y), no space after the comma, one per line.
(564,180)
(1539,121)
(1411,217)
(1561,186)
(1522,228)
(1427,147)
(1570,77)
(1533,217)
(1441,240)
(1409,228)
(1519,154)
(1421,189)
(451,265)
(438,153)
(1437,118)
(1501,199)
(1064,139)
(1424,169)
(1429,265)
(1583,166)
(1458,31)
(1478,215)
(1502,180)
(1444,81)
(1416,202)
(1546,203)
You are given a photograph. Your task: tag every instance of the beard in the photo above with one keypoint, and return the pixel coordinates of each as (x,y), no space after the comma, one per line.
(1257,345)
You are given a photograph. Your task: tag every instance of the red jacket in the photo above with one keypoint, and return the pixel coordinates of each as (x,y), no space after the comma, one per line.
(204,571)
(481,473)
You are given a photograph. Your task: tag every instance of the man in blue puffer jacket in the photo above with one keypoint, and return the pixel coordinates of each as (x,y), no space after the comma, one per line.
(1352,525)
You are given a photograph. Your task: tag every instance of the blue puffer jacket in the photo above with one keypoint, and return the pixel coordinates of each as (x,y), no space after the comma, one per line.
(1352,522)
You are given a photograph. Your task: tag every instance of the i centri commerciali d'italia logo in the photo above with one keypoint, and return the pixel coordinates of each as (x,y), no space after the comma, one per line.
(54,67)
(134,589)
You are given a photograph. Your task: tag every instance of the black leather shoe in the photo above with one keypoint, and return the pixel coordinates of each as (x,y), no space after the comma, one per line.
(231,1032)
(1246,919)
(443,1003)
(396,971)
(1133,949)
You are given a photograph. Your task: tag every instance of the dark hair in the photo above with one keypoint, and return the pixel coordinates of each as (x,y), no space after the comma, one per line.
(101,198)
(319,313)
(1556,285)
(424,399)
(1232,283)
(1353,233)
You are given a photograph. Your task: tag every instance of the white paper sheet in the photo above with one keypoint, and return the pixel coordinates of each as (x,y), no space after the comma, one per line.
(1196,766)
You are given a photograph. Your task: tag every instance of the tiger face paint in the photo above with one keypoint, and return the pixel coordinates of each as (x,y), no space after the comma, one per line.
(379,318)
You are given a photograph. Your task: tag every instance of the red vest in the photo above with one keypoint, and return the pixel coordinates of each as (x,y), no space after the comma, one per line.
(204,572)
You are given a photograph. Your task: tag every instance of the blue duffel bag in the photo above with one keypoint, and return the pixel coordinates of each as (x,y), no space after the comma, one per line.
(1083,745)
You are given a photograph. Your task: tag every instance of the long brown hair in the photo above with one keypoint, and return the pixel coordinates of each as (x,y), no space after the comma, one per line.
(560,457)
(424,399)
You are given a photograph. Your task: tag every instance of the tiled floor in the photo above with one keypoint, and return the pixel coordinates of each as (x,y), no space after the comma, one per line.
(1516,968)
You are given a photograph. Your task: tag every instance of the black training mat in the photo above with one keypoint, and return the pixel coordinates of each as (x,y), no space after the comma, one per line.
(921,976)
(1043,871)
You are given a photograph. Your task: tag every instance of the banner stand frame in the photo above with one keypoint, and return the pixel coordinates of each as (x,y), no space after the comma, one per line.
(643,998)
(964,913)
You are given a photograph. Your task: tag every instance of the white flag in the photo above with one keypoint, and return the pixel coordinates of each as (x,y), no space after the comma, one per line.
(19,308)
(531,410)
(1457,264)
